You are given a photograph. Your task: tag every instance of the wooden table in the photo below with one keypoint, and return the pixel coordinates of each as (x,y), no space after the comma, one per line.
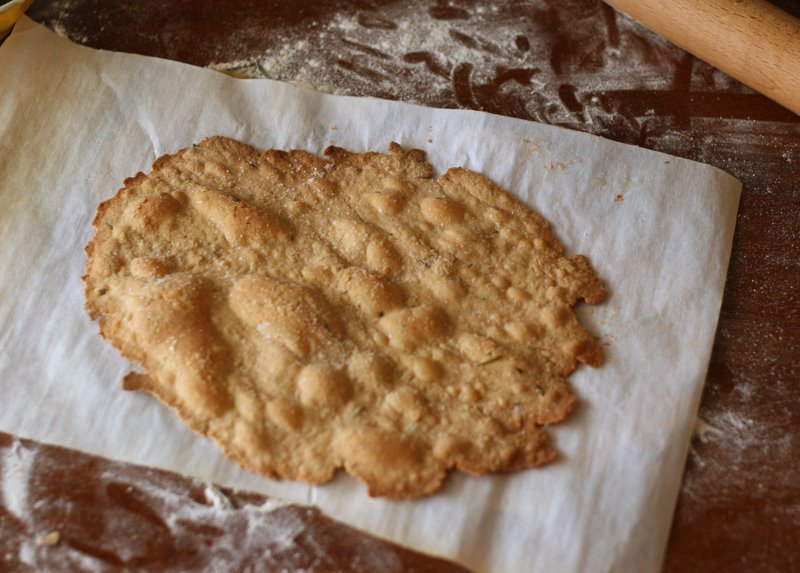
(580,65)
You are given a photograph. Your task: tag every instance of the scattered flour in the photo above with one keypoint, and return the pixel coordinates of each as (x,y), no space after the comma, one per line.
(728,426)
(574,64)
(582,66)
(436,58)
(16,470)
(139,509)
(218,499)
(740,444)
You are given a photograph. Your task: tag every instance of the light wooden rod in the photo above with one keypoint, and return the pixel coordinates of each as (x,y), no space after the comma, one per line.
(750,40)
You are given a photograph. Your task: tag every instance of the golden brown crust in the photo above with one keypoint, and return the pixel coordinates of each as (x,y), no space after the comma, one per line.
(310,314)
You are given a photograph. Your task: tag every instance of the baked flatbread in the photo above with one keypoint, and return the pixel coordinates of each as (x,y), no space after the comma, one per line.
(309,314)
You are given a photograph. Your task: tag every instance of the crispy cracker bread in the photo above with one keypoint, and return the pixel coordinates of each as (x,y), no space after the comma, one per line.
(309,314)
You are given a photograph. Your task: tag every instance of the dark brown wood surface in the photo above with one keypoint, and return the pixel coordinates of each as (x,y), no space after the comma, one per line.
(86,513)
(580,65)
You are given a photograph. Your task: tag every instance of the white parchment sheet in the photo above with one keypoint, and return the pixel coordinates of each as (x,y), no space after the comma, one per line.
(75,122)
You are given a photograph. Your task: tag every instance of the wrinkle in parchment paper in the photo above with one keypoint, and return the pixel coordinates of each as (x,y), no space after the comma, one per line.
(75,122)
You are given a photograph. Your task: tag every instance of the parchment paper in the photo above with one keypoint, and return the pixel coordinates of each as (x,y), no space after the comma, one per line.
(75,122)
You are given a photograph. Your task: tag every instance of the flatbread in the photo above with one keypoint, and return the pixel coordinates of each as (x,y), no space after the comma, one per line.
(309,314)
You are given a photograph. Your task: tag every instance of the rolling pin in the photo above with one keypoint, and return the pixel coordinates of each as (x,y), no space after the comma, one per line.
(750,40)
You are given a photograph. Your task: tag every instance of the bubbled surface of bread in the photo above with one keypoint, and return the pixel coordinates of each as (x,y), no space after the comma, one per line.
(351,311)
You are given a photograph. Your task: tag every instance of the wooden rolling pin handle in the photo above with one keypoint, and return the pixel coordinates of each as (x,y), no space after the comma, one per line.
(750,40)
